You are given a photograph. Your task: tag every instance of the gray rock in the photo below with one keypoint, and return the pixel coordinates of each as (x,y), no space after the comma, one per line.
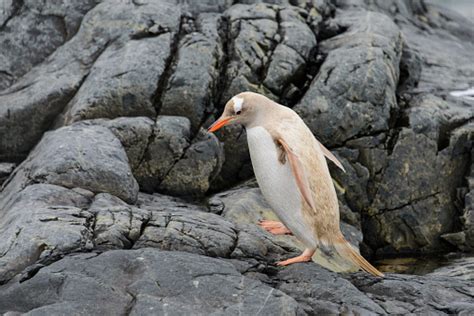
(117,225)
(160,202)
(122,81)
(195,232)
(32,103)
(462,268)
(196,169)
(304,283)
(170,137)
(354,97)
(151,281)
(6,169)
(40,223)
(133,133)
(191,87)
(402,294)
(267,48)
(88,157)
(31,31)
(428,150)
(237,166)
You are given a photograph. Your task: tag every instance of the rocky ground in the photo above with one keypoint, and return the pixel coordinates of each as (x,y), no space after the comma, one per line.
(115,200)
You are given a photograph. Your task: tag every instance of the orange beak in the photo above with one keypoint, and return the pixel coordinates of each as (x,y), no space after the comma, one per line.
(221,122)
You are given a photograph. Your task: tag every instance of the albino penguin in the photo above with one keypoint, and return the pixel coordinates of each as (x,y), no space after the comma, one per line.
(293,175)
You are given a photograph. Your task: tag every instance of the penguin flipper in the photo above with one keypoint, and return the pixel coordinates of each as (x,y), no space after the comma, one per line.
(329,155)
(299,173)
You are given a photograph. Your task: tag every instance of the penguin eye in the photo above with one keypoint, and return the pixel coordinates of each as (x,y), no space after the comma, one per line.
(238,102)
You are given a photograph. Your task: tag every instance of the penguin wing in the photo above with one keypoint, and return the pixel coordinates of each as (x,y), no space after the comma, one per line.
(299,173)
(329,155)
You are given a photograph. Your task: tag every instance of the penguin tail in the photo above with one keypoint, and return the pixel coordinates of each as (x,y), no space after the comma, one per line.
(345,249)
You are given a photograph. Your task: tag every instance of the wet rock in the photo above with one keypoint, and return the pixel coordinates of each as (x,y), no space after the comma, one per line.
(462,268)
(401,294)
(151,281)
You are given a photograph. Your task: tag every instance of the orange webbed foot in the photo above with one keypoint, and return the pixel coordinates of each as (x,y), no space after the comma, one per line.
(274,227)
(304,257)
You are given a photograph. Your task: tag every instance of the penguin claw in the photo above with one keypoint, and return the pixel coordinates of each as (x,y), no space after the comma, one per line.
(274,227)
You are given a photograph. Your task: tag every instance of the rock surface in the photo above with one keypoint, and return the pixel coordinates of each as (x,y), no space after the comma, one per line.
(115,200)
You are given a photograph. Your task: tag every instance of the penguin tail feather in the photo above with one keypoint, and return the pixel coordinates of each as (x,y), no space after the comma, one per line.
(344,249)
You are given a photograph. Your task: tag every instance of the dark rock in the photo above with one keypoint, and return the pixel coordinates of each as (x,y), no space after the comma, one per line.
(196,169)
(195,232)
(237,166)
(31,31)
(384,84)
(144,281)
(117,225)
(88,157)
(303,282)
(32,103)
(169,140)
(460,269)
(355,97)
(134,134)
(402,294)
(40,223)
(191,86)
(111,90)
(268,48)
(428,150)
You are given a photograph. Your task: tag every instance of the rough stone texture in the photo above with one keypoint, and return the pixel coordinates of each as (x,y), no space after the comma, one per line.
(31,104)
(427,150)
(148,281)
(88,157)
(133,133)
(191,87)
(31,31)
(41,223)
(6,168)
(110,90)
(400,294)
(193,173)
(382,83)
(167,143)
(460,268)
(361,103)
